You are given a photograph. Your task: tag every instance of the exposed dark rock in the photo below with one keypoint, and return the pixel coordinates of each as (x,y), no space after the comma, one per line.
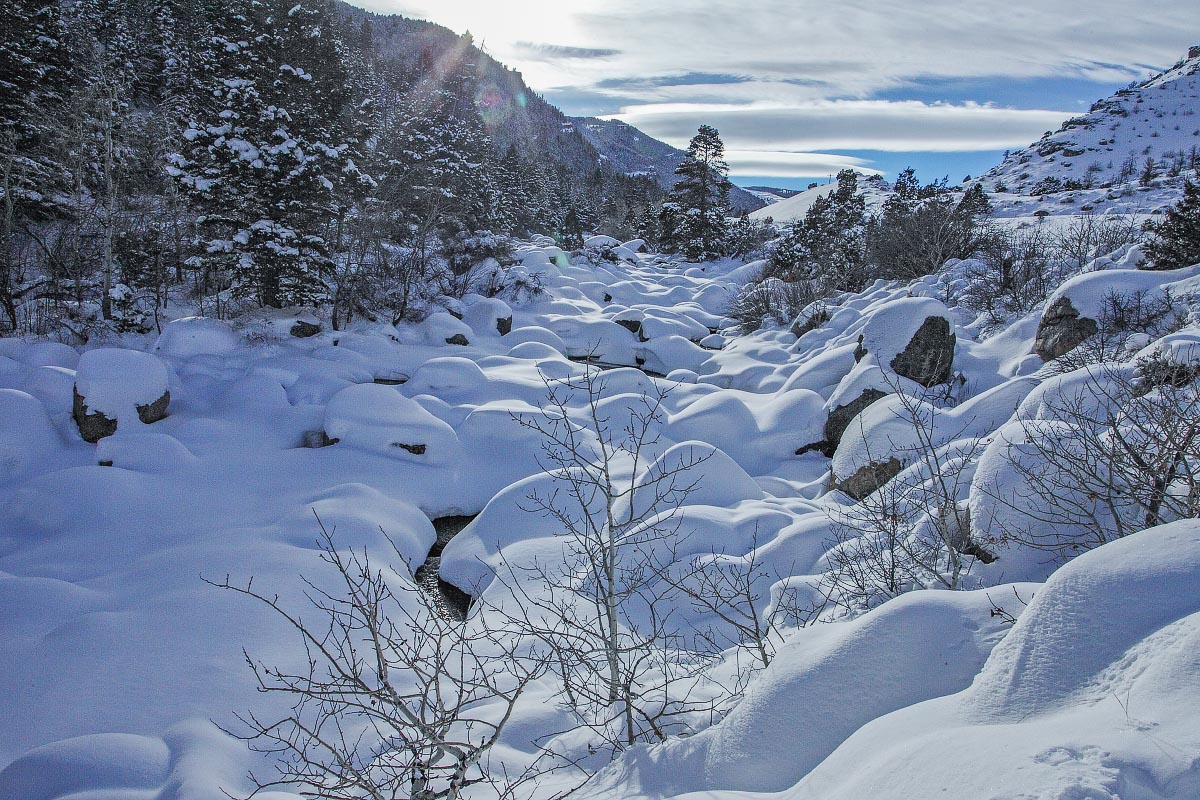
(840,417)
(155,411)
(869,478)
(94,426)
(1062,330)
(315,439)
(504,325)
(802,325)
(634,326)
(458,339)
(929,355)
(303,330)
(415,449)
(860,352)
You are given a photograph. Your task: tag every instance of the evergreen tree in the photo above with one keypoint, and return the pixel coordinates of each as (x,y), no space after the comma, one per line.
(829,244)
(694,219)
(1176,240)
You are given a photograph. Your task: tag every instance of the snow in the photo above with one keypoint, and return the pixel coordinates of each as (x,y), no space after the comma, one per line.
(193,336)
(380,419)
(118,655)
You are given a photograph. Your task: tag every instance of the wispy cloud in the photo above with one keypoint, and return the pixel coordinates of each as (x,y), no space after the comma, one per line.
(560,52)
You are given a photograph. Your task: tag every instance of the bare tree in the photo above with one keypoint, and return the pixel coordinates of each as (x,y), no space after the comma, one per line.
(1118,454)
(393,700)
(604,613)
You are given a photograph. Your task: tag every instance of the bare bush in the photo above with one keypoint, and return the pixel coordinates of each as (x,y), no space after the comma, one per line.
(392,699)
(913,531)
(773,301)
(603,612)
(1118,454)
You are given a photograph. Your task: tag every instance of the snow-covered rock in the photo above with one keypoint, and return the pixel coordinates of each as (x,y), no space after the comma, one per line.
(114,387)
(380,419)
(194,336)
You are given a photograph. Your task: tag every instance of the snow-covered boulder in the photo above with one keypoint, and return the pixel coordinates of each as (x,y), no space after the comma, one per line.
(444,328)
(196,336)
(488,316)
(913,337)
(1062,329)
(380,419)
(116,387)
(143,451)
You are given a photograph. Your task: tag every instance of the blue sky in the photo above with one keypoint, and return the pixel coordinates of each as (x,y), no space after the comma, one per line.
(802,88)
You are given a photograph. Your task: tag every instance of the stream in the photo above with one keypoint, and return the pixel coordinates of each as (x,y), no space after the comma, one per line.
(451,602)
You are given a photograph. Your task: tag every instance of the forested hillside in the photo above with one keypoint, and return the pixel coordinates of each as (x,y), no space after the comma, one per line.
(273,152)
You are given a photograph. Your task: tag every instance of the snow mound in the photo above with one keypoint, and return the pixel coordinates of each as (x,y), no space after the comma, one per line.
(380,419)
(196,336)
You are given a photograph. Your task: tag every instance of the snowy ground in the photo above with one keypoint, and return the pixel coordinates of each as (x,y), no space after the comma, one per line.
(118,656)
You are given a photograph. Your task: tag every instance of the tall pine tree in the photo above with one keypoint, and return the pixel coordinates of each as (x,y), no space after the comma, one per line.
(695,217)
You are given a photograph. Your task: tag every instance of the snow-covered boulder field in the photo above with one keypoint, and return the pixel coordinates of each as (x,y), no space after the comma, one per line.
(852,466)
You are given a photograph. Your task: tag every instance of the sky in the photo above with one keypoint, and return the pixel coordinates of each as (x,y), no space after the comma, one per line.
(802,88)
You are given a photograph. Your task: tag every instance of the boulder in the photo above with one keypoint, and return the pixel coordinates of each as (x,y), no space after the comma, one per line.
(869,477)
(458,339)
(113,386)
(1061,330)
(929,355)
(303,330)
(840,418)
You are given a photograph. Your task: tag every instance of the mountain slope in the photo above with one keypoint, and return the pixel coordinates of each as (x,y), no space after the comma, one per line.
(1110,145)
(632,152)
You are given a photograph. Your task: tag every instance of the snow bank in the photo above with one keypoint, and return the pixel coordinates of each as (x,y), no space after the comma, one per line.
(380,419)
(194,336)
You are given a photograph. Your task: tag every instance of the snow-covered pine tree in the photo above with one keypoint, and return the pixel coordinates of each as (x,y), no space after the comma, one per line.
(1176,239)
(695,217)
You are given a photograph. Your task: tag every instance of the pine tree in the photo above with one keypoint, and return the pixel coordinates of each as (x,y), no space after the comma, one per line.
(34,82)
(695,217)
(1176,240)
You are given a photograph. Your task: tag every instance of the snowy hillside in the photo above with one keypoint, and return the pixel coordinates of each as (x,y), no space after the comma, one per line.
(1157,120)
(793,208)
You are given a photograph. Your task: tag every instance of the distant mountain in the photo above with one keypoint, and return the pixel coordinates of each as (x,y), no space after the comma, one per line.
(632,152)
(771,194)
(1158,120)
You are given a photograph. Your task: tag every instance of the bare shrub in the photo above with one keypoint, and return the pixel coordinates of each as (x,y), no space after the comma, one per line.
(393,699)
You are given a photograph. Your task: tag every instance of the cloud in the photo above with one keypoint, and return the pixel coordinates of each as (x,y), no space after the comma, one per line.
(785,164)
(898,126)
(555,52)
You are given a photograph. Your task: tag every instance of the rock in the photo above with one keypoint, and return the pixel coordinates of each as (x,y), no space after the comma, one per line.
(94,426)
(1062,330)
(316,439)
(114,385)
(869,478)
(303,330)
(504,325)
(840,418)
(803,324)
(929,355)
(458,339)
(195,336)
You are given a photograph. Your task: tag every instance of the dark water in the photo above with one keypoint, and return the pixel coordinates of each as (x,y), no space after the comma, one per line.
(450,601)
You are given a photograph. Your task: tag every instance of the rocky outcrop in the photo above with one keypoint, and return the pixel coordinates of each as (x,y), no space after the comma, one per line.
(929,355)
(1061,330)
(458,339)
(840,418)
(504,325)
(94,426)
